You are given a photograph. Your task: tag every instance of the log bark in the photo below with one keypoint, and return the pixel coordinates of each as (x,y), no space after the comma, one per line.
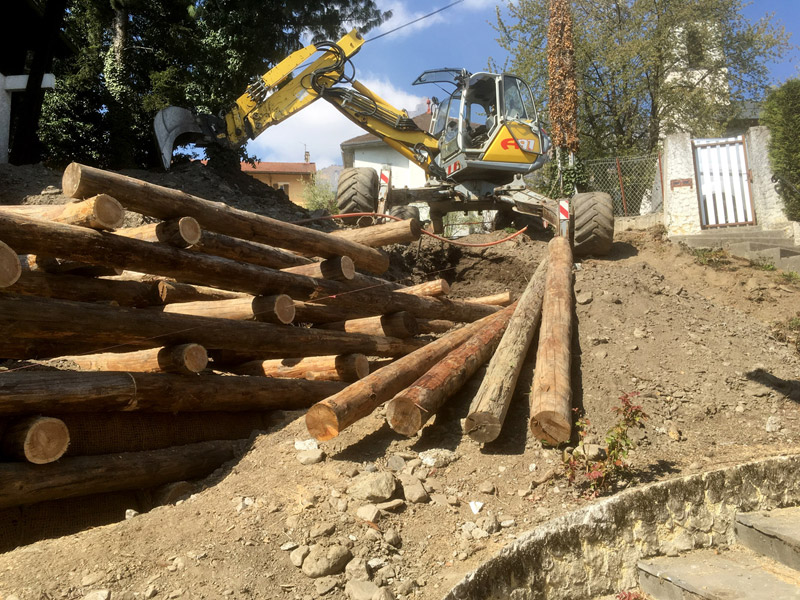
(326,419)
(551,391)
(30,235)
(82,475)
(64,266)
(501,299)
(400,325)
(266,309)
(409,410)
(181,233)
(57,392)
(42,328)
(340,268)
(186,359)
(254,253)
(171,292)
(99,212)
(435,325)
(85,289)
(38,440)
(10,267)
(490,405)
(80,181)
(437,287)
(395,232)
(344,367)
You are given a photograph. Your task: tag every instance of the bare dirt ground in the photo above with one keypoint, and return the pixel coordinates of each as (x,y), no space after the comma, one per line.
(710,349)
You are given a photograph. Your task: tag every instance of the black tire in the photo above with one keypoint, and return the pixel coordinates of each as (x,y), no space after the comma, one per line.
(405,212)
(592,223)
(502,220)
(358,190)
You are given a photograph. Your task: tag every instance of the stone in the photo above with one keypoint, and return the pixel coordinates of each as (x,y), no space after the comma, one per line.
(395,463)
(357,589)
(310,457)
(639,334)
(383,575)
(368,512)
(323,585)
(383,593)
(130,513)
(479,534)
(298,555)
(373,487)
(489,524)
(392,538)
(437,457)
(358,569)
(405,587)
(285,547)
(486,487)
(322,529)
(392,505)
(309,444)
(584,297)
(92,578)
(439,499)
(150,592)
(98,595)
(505,524)
(774,424)
(326,561)
(592,452)
(414,491)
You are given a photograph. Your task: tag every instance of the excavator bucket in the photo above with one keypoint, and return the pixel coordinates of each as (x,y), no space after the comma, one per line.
(170,124)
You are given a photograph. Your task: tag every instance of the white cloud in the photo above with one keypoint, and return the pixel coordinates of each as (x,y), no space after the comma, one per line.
(321,128)
(402,13)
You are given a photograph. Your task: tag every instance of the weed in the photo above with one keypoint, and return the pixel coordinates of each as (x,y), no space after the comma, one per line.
(716,258)
(764,264)
(598,476)
(791,277)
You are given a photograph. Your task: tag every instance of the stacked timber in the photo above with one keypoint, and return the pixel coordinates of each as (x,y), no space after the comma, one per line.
(167,344)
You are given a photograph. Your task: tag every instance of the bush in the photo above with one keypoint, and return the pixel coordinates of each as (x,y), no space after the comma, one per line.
(782,115)
(320,195)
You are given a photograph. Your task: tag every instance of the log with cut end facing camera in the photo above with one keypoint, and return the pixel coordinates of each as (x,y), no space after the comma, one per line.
(38,440)
(344,367)
(186,359)
(99,212)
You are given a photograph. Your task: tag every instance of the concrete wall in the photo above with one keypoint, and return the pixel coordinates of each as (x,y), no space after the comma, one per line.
(404,172)
(767,204)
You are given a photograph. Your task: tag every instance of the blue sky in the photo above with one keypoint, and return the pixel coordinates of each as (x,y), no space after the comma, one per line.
(461,36)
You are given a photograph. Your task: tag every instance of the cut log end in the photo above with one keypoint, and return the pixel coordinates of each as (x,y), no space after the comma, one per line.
(71,180)
(10,267)
(341,268)
(551,427)
(357,363)
(482,427)
(190,230)
(274,309)
(187,358)
(39,440)
(322,422)
(108,213)
(404,416)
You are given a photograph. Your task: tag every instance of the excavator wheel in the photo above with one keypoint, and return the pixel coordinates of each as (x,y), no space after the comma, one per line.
(592,224)
(358,190)
(405,212)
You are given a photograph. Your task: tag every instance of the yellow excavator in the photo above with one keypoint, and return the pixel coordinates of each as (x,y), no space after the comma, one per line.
(482,140)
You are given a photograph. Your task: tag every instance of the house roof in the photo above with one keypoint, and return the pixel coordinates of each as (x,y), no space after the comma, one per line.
(423,121)
(281,167)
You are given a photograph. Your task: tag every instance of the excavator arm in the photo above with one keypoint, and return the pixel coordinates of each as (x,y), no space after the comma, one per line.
(280,93)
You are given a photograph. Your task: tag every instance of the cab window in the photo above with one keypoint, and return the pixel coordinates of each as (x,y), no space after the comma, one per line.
(512,97)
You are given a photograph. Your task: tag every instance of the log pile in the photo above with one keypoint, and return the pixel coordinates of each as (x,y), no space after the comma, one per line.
(157,347)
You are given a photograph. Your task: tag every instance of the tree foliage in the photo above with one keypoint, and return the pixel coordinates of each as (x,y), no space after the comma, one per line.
(782,115)
(561,77)
(139,56)
(649,67)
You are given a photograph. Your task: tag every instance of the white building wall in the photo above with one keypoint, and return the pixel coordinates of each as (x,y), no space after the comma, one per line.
(404,172)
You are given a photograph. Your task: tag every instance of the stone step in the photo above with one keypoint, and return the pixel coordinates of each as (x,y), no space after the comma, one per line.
(722,238)
(790,264)
(786,244)
(774,533)
(708,574)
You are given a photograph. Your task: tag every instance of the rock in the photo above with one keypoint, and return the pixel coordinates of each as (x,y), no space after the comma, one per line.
(322,529)
(439,499)
(98,595)
(392,505)
(392,537)
(414,492)
(479,534)
(373,487)
(383,575)
(544,476)
(592,452)
(360,590)
(150,592)
(639,334)
(489,524)
(395,463)
(298,555)
(369,468)
(358,569)
(309,444)
(584,297)
(486,487)
(405,587)
(310,457)
(326,561)
(437,457)
(130,513)
(92,578)
(674,433)
(505,524)
(288,546)
(369,512)
(383,594)
(244,503)
(324,585)
(774,424)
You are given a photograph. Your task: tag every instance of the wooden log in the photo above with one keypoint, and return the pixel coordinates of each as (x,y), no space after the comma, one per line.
(106,433)
(80,181)
(93,246)
(42,328)
(344,367)
(436,287)
(409,410)
(267,309)
(181,233)
(10,267)
(490,405)
(62,266)
(187,359)
(308,312)
(394,232)
(340,268)
(501,299)
(56,392)
(551,391)
(328,418)
(99,212)
(38,440)
(400,325)
(170,493)
(171,292)
(254,253)
(435,325)
(83,475)
(85,289)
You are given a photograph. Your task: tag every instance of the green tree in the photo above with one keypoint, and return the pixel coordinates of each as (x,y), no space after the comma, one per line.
(649,67)
(782,115)
(318,194)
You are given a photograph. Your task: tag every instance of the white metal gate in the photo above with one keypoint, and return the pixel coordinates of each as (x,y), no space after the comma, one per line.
(723,182)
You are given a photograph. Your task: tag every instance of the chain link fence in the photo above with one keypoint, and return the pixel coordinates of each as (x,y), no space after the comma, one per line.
(634,183)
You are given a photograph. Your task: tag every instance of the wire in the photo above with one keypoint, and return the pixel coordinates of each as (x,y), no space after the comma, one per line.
(414,21)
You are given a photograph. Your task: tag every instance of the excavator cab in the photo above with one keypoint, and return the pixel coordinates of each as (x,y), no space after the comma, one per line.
(488,128)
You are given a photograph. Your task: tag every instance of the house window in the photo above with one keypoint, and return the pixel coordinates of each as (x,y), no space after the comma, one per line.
(284,187)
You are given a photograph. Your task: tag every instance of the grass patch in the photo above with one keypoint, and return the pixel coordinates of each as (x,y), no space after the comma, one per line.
(791,277)
(764,264)
(716,258)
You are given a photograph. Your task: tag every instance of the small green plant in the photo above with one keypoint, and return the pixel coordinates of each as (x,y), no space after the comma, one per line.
(716,258)
(764,264)
(598,476)
(791,277)
(320,195)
